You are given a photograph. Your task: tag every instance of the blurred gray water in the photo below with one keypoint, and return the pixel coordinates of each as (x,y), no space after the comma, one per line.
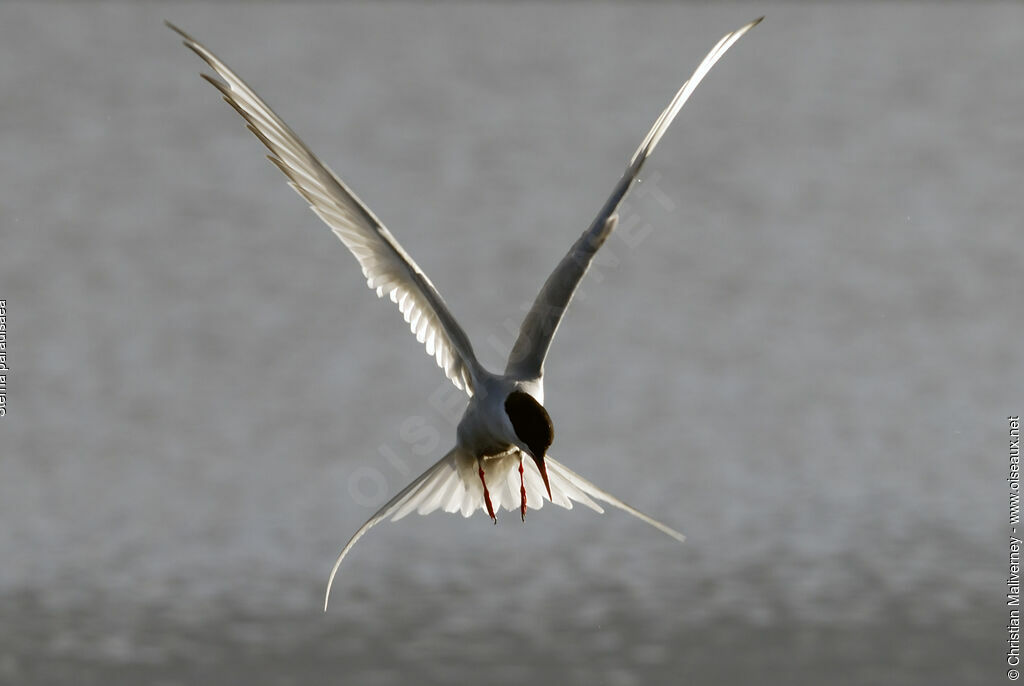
(803,356)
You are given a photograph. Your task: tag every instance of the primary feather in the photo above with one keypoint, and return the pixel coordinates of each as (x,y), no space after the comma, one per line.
(453,484)
(541,323)
(388,269)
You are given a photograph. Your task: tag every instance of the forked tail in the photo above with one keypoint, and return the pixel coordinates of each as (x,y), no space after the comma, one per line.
(454,485)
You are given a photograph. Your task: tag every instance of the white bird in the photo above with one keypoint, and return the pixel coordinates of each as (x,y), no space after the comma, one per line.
(505,418)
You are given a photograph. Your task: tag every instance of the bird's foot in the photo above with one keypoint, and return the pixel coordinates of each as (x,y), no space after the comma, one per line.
(522,491)
(487,496)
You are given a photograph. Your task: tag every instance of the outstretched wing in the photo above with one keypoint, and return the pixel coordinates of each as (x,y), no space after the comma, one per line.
(527,357)
(388,269)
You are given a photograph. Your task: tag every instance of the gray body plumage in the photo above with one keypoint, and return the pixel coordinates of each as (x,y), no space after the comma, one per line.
(504,420)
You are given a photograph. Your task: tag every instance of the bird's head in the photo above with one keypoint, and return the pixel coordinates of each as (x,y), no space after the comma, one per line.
(533,428)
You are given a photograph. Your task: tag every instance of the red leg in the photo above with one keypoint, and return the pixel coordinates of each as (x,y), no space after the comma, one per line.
(522,491)
(487,496)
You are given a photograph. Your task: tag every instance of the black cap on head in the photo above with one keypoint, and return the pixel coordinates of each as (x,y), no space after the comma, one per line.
(533,427)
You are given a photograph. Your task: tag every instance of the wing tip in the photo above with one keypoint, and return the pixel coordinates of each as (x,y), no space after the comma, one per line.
(187,39)
(172,27)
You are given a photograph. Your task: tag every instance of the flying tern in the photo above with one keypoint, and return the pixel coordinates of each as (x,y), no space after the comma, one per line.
(505,419)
